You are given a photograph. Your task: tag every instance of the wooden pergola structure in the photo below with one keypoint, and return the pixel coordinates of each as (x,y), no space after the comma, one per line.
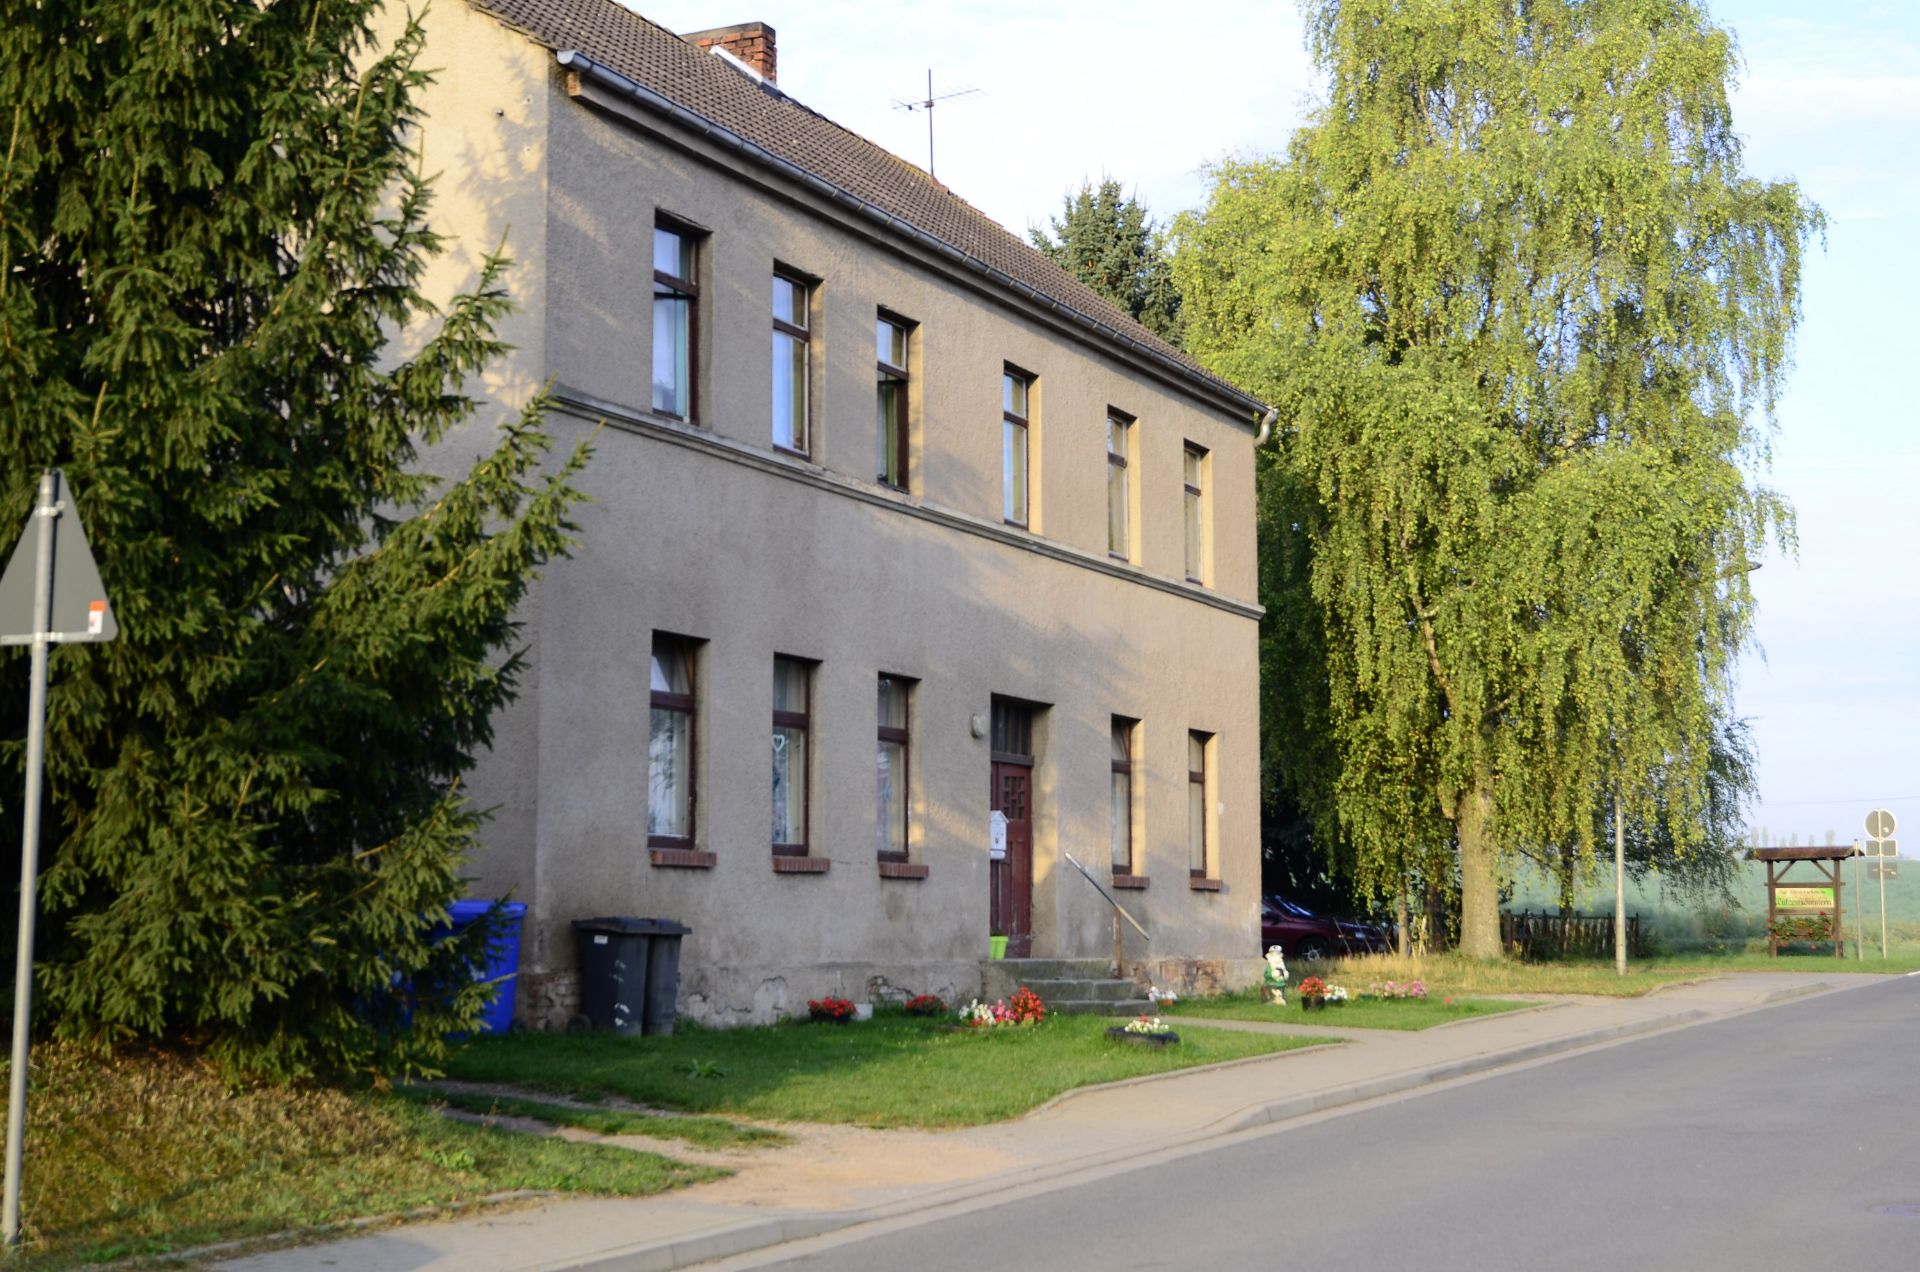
(1819,893)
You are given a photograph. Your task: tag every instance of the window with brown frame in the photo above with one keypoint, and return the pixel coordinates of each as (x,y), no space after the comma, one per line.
(1015,392)
(890,353)
(1122,795)
(894,769)
(1194,464)
(792,359)
(1197,805)
(676,296)
(670,785)
(1119,493)
(791,755)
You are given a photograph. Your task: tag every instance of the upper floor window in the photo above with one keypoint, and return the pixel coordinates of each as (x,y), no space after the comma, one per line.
(792,342)
(1015,390)
(1195,472)
(670,744)
(1119,491)
(890,352)
(893,770)
(791,720)
(675,295)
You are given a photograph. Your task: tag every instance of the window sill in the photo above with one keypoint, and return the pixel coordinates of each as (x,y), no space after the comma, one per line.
(791,453)
(682,858)
(1137,883)
(801,865)
(902,870)
(1204,885)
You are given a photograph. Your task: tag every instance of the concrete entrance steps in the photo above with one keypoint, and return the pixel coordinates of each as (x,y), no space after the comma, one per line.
(1076,986)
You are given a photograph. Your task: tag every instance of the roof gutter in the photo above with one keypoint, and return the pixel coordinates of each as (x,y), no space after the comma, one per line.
(579,63)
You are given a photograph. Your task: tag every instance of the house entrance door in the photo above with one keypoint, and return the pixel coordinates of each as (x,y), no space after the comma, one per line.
(1010,877)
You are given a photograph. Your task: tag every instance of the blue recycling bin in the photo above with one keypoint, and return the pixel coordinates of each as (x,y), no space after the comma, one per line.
(501,966)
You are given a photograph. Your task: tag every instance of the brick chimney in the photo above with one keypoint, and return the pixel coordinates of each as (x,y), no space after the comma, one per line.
(751,42)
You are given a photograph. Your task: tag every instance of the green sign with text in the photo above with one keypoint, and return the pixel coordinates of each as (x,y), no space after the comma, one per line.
(1803,898)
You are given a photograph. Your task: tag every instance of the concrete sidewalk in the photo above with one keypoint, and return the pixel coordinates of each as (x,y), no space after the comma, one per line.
(838,1177)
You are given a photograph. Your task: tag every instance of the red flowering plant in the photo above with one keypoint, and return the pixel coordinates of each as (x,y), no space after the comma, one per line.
(837,1010)
(1026,1007)
(926,1005)
(1312,987)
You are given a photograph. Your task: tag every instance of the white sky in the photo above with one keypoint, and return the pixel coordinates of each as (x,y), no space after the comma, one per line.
(1150,93)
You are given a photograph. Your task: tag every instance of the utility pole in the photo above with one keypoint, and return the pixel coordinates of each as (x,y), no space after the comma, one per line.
(1619,888)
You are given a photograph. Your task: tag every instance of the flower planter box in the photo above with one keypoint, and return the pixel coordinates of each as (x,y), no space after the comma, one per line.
(1120,1033)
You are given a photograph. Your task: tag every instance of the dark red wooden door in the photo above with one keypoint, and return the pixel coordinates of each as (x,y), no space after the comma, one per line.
(1010,911)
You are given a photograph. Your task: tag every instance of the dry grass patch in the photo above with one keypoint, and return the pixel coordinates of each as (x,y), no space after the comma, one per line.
(145,1153)
(1452,975)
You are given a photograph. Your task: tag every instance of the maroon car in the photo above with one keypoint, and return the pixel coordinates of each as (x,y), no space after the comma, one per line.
(1308,937)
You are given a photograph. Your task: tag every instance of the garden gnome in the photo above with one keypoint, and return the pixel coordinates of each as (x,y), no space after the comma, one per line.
(1275,976)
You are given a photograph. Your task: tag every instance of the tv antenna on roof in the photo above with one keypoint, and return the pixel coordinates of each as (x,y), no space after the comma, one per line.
(927,104)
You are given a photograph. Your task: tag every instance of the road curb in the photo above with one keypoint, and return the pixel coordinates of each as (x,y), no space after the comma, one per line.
(715,1243)
(744,1238)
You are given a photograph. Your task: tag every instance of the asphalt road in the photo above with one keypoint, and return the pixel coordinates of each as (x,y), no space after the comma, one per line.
(1783,1139)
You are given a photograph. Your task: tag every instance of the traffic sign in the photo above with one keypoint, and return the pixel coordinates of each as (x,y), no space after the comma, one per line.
(76,601)
(1880,824)
(1883,870)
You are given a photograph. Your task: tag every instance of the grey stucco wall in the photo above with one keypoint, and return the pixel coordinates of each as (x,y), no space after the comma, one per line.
(707,532)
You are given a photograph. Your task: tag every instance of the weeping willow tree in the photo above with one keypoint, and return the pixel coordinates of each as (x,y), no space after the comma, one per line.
(1527,318)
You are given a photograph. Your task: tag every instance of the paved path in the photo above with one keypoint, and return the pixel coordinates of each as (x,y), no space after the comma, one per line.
(837,1177)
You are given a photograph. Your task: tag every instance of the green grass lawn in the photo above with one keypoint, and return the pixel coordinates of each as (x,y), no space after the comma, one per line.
(1751,956)
(141,1154)
(893,1070)
(1451,975)
(1356,1013)
(702,1132)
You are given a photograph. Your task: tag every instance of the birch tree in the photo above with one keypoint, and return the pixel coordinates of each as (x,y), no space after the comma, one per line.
(1527,317)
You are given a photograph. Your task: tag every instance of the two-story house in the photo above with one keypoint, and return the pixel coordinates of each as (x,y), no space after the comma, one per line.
(913,569)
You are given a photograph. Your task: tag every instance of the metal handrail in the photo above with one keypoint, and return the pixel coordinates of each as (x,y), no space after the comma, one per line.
(1120,911)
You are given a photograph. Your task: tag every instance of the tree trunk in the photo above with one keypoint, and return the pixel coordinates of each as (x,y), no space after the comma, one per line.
(1566,882)
(1479,878)
(1401,917)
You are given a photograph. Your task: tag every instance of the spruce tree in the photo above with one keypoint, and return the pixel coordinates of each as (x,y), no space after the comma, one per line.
(1107,241)
(211,226)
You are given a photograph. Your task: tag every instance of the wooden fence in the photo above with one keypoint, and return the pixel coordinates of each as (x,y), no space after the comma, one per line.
(1544,936)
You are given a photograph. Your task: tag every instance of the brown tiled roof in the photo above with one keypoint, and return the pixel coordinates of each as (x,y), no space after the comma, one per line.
(698,82)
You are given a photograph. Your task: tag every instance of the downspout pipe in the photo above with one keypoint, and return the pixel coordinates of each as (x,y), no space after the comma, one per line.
(1266,427)
(575,61)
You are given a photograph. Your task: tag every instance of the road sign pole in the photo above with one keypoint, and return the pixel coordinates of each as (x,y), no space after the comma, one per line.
(1882,872)
(45,512)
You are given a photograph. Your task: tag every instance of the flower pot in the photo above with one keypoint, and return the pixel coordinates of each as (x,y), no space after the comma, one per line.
(1119,1033)
(996,947)
(1312,1004)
